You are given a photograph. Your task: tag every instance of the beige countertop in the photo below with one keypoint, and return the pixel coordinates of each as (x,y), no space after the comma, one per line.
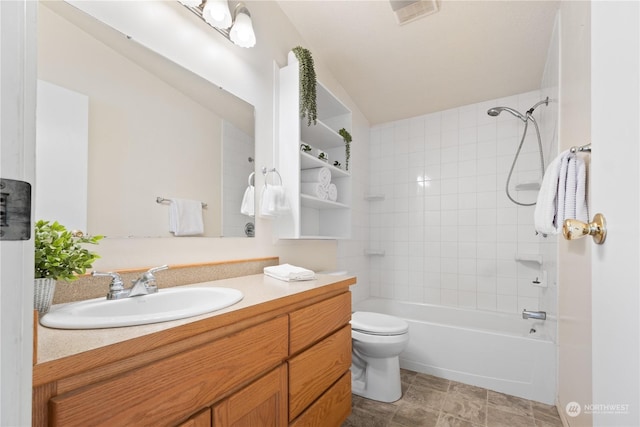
(54,344)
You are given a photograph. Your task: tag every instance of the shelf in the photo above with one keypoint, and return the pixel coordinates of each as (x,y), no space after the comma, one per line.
(320,135)
(528,186)
(372,197)
(307,161)
(314,202)
(328,104)
(374,252)
(537,258)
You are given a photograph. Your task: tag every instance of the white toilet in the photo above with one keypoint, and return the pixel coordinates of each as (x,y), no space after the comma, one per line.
(378,339)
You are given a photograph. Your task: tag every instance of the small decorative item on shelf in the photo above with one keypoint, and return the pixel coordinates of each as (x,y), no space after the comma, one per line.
(305,147)
(337,164)
(58,255)
(323,156)
(308,105)
(347,145)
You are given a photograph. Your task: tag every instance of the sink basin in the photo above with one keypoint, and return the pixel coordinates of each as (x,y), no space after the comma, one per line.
(165,305)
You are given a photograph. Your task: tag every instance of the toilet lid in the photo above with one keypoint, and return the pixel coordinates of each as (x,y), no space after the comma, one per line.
(377,323)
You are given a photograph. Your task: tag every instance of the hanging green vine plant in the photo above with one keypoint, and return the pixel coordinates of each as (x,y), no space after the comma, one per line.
(347,146)
(308,106)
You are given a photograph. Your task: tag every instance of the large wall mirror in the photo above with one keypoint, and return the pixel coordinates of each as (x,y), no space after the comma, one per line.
(119,126)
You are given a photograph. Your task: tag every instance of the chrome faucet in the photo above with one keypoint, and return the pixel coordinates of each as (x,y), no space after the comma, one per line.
(144,285)
(540,315)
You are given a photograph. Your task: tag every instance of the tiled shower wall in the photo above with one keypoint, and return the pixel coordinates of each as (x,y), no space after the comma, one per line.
(440,215)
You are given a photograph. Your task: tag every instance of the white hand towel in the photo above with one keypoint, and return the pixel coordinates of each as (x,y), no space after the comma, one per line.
(321,175)
(248,202)
(185,217)
(314,189)
(273,202)
(582,211)
(289,273)
(332,192)
(562,194)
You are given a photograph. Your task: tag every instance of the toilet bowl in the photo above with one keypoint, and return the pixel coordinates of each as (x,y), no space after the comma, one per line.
(378,339)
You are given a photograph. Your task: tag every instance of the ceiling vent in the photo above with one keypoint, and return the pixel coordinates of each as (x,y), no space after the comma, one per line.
(410,10)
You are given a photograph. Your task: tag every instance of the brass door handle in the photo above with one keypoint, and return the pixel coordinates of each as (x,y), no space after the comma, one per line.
(574,229)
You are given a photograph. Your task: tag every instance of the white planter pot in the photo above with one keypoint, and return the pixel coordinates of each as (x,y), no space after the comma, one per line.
(43,294)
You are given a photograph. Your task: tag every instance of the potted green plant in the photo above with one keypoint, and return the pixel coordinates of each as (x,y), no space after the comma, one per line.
(308,105)
(346,136)
(59,255)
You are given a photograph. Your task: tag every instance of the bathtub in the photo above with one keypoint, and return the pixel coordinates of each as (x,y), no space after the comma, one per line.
(496,351)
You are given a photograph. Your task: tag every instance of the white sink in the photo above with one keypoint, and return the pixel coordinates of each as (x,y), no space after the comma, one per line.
(166,304)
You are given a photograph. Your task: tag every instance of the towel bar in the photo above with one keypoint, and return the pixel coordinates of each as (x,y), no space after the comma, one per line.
(581,149)
(266,173)
(161,199)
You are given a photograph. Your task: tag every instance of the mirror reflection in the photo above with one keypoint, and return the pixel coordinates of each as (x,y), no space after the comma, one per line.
(120,126)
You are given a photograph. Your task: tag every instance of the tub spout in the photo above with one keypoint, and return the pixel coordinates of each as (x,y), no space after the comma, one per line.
(540,315)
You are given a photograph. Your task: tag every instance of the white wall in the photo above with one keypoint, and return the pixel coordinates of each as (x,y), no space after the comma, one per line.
(449,233)
(248,73)
(574,297)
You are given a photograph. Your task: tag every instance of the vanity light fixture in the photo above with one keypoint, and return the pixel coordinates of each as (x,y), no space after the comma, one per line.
(237,28)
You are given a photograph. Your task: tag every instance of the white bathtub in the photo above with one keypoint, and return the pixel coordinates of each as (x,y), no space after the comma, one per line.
(491,350)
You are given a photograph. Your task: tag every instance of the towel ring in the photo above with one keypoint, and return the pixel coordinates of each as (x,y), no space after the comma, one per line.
(252,179)
(266,173)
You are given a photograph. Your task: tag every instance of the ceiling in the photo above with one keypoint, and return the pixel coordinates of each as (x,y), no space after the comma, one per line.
(467,52)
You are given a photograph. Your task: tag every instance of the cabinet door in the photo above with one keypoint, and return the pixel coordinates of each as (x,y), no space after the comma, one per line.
(262,403)
(201,419)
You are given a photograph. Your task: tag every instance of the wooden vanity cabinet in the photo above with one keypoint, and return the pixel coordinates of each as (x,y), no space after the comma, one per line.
(289,367)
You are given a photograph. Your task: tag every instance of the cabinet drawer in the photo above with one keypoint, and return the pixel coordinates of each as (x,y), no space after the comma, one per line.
(313,371)
(155,395)
(331,409)
(312,323)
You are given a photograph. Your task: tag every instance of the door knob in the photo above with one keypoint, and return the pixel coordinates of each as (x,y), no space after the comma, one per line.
(574,229)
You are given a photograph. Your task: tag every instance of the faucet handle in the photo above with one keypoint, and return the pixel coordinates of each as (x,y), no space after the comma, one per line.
(116,281)
(156,269)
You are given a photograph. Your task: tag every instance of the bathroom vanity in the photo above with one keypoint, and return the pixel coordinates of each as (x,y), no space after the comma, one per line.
(279,357)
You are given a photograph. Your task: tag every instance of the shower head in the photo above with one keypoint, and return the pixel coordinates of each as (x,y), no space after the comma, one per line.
(497,110)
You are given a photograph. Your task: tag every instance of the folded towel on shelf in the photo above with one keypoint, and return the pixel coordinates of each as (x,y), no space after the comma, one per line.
(321,175)
(562,194)
(185,217)
(273,202)
(314,189)
(332,192)
(289,273)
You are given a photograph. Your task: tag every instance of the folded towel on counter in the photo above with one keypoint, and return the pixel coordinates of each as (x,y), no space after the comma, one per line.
(185,217)
(332,192)
(289,273)
(562,194)
(321,175)
(314,189)
(273,202)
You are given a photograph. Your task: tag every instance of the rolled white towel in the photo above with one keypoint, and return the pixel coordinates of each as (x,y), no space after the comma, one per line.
(321,175)
(289,273)
(332,192)
(314,189)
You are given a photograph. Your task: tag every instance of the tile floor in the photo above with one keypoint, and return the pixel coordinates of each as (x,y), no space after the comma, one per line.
(430,401)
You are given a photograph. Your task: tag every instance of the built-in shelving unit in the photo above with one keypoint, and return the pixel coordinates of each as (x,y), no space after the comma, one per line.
(311,217)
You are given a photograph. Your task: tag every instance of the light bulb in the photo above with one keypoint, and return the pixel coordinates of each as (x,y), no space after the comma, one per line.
(242,31)
(217,14)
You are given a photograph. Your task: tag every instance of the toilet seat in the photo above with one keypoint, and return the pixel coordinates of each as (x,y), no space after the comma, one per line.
(378,324)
